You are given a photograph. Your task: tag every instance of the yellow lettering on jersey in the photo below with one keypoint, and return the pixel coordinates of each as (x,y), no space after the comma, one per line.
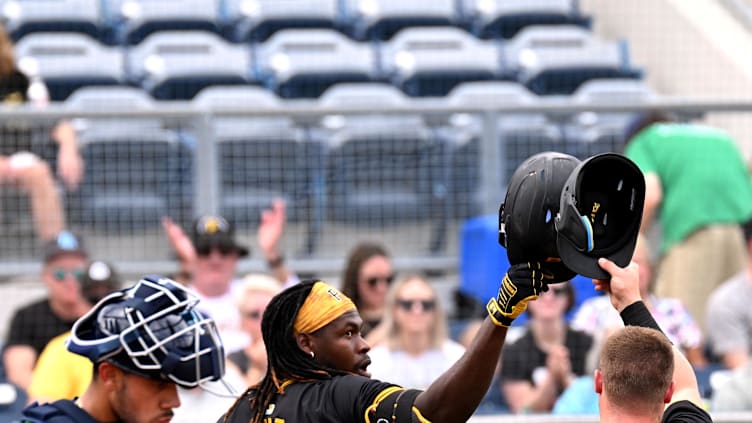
(274,420)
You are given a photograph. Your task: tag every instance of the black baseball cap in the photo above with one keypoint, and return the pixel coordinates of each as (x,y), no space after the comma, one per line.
(526,218)
(99,279)
(600,214)
(65,242)
(213,231)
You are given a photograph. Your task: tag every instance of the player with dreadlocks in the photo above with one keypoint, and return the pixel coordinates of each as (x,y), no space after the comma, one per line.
(317,361)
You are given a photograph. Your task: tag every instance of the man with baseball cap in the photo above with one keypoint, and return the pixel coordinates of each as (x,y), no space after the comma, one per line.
(71,372)
(34,325)
(209,256)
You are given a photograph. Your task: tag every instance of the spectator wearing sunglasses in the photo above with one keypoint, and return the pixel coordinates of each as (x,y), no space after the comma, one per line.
(71,372)
(255,295)
(34,325)
(416,347)
(548,356)
(209,257)
(366,280)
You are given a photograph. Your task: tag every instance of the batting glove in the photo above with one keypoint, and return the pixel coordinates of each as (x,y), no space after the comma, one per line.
(522,283)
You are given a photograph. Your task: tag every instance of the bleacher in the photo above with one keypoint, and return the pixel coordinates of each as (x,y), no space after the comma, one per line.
(279,53)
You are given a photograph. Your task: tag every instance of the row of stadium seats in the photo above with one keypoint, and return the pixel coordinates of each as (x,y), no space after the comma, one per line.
(128,22)
(303,63)
(375,169)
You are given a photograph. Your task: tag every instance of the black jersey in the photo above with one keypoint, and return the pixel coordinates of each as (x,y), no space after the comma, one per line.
(685,412)
(340,399)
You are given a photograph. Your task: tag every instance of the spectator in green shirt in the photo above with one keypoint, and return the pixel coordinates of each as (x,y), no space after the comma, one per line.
(699,189)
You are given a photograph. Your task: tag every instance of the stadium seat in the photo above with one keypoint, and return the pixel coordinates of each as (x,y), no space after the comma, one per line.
(505,18)
(381,169)
(303,63)
(136,170)
(556,59)
(22,17)
(68,61)
(99,98)
(134,176)
(257,20)
(261,158)
(520,136)
(589,133)
(431,61)
(175,65)
(131,21)
(381,19)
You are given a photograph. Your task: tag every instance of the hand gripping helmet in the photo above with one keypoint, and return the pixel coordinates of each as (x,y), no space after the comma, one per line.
(526,217)
(153,330)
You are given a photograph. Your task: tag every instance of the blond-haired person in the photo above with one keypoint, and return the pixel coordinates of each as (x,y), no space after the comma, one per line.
(256,293)
(416,348)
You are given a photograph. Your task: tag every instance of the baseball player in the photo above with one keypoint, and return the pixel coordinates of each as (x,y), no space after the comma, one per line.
(318,361)
(143,342)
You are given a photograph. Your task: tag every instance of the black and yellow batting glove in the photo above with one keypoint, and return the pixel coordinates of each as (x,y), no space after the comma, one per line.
(523,283)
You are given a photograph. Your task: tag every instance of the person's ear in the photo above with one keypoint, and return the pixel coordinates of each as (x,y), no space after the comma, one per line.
(598,381)
(669,393)
(109,375)
(305,343)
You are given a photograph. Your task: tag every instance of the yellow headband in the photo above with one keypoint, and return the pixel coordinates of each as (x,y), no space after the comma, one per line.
(323,305)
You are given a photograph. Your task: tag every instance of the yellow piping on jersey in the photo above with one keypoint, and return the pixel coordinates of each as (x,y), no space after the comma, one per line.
(380,397)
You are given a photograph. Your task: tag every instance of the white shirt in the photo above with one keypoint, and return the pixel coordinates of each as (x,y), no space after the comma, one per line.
(410,371)
(224,311)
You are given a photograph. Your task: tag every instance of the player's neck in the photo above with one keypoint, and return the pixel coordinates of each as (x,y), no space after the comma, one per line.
(611,414)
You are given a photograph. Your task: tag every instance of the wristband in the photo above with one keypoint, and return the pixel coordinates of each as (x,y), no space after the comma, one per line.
(276,262)
(637,314)
(494,312)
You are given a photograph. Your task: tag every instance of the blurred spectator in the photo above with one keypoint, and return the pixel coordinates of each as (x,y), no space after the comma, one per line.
(366,279)
(255,294)
(18,164)
(732,391)
(209,260)
(698,184)
(416,348)
(34,325)
(71,372)
(597,317)
(729,315)
(548,356)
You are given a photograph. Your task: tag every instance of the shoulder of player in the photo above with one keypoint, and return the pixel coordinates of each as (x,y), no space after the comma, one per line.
(685,411)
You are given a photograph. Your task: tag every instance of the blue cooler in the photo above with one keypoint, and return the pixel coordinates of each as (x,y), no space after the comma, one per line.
(483,263)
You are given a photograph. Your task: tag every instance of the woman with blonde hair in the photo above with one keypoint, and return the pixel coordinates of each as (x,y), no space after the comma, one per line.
(416,347)
(256,293)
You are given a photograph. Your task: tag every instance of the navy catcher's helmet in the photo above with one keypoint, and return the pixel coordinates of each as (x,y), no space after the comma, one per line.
(152,330)
(526,218)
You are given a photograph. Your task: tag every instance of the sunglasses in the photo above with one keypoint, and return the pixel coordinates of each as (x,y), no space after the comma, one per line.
(223,248)
(372,282)
(561,292)
(253,314)
(425,305)
(60,273)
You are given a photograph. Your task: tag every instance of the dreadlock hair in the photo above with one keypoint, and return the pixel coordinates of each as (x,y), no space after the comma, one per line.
(285,360)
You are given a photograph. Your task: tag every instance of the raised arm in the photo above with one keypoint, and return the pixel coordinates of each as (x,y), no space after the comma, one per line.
(455,395)
(269,234)
(624,291)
